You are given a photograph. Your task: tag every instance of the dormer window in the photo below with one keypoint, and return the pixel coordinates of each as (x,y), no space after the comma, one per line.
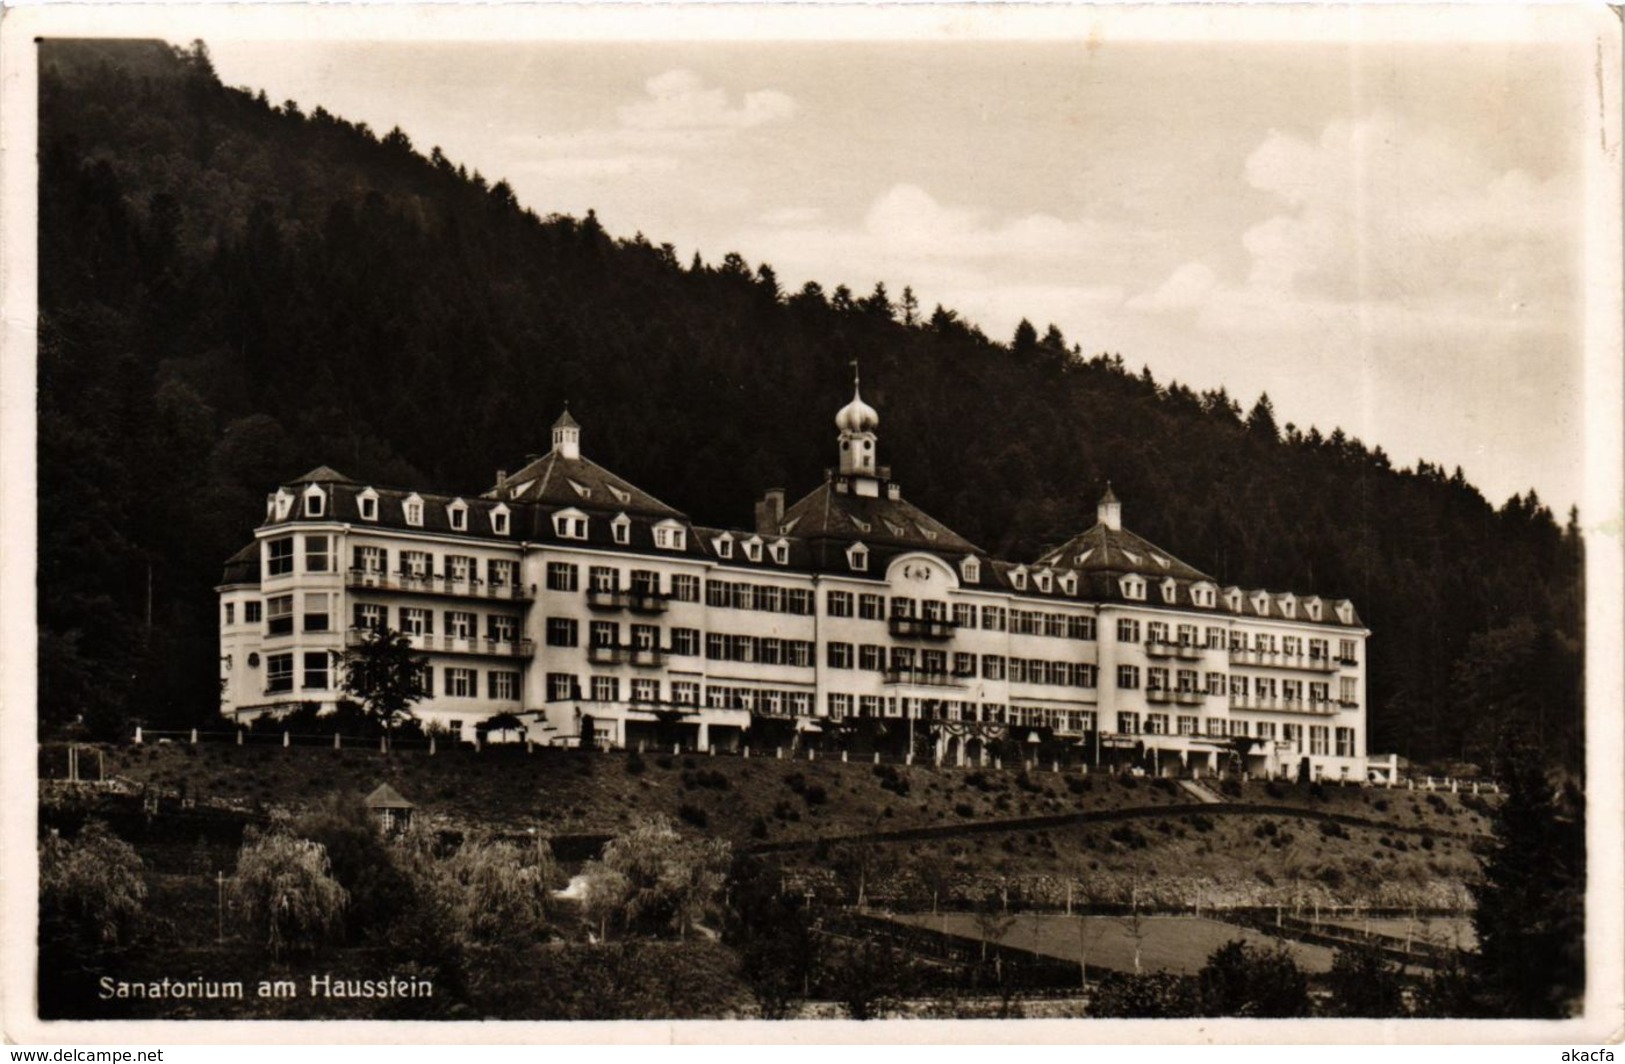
(570,524)
(857,558)
(1018,579)
(1202,595)
(499,520)
(315,502)
(367,504)
(1044,580)
(1312,608)
(1289,606)
(457,514)
(724,545)
(1261,604)
(623,496)
(620,529)
(413,508)
(753,549)
(669,535)
(1170,591)
(580,488)
(1345,612)
(284,503)
(1069,583)
(970,570)
(1133,587)
(780,552)
(1232,600)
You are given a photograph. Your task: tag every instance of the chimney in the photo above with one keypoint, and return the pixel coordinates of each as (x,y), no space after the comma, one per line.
(502,479)
(770,512)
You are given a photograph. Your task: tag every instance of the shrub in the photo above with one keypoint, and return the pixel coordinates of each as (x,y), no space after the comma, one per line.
(814,794)
(1317,791)
(284,886)
(1129,782)
(634,764)
(1201,823)
(664,761)
(758,828)
(1230,788)
(1080,784)
(1427,842)
(796,782)
(692,814)
(965,809)
(94,881)
(1333,830)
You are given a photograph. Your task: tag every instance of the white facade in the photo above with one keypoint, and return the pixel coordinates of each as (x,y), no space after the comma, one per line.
(565,595)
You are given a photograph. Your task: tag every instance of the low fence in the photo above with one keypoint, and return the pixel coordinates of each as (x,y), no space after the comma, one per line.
(508,741)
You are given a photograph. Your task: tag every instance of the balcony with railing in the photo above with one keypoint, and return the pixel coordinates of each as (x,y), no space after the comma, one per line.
(923,677)
(608,598)
(922,627)
(454,644)
(437,584)
(1158,696)
(1268,704)
(646,600)
(1277,659)
(1161,648)
(648,657)
(606,654)
(1190,697)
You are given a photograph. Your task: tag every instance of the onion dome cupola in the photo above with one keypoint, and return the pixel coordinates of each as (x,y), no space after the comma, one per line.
(857,421)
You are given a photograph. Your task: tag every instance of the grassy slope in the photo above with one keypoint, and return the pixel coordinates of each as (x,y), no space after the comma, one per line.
(1178,859)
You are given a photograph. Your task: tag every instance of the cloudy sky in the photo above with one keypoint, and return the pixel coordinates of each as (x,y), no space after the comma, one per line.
(1386,238)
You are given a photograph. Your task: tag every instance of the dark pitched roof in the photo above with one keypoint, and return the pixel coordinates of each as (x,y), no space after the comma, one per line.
(558,481)
(1117,550)
(565,421)
(321,475)
(387,797)
(828,513)
(243,567)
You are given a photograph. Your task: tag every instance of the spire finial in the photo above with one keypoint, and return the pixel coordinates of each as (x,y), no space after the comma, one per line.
(855,380)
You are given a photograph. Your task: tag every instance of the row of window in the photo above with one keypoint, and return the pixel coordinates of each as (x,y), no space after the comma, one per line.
(571,523)
(424,565)
(459,624)
(316,505)
(320,670)
(767,598)
(763,650)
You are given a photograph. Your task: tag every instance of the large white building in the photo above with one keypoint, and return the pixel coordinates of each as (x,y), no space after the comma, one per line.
(575,600)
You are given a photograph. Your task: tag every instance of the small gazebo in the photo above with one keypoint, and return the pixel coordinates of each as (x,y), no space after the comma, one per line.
(392,810)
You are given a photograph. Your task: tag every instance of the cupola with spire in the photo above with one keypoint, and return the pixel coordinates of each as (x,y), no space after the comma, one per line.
(567,436)
(857,421)
(1109,511)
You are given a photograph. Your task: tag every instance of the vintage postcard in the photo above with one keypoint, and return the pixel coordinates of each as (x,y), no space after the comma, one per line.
(846,523)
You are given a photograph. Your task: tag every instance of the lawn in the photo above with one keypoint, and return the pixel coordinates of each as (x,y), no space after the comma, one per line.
(1179,944)
(1456,931)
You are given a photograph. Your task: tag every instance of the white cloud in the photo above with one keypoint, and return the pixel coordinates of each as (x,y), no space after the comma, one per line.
(793,216)
(679,117)
(1381,221)
(585,166)
(993,270)
(678,99)
(1187,288)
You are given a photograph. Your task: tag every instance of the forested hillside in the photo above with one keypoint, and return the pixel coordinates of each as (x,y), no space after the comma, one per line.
(233,291)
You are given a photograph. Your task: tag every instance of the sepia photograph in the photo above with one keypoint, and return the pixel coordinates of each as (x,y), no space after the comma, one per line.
(815,516)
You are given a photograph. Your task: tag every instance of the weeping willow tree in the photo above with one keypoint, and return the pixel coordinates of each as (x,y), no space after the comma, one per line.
(286,892)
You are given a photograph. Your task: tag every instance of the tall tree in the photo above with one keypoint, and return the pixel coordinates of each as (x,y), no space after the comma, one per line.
(386,675)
